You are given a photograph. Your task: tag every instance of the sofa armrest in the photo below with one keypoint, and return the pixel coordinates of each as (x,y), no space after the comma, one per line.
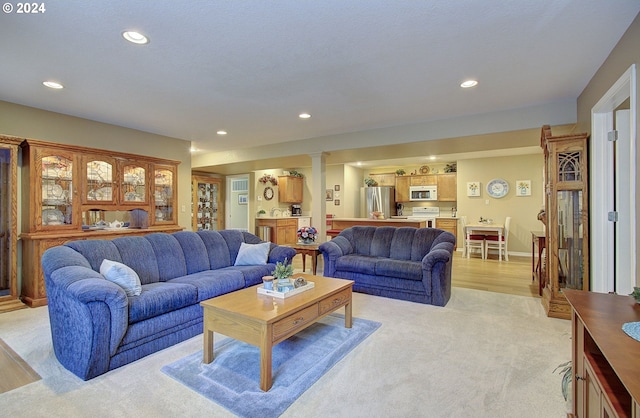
(88,314)
(436,273)
(331,251)
(279,253)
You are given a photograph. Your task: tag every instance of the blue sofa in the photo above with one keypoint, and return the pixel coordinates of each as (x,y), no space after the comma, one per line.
(403,263)
(96,327)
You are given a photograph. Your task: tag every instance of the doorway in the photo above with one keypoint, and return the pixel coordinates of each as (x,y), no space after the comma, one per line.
(613,185)
(237,202)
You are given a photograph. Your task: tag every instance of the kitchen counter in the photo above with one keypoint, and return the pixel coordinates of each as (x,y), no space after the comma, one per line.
(344,223)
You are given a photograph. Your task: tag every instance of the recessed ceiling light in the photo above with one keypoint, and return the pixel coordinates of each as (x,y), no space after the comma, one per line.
(221,132)
(193,149)
(433,157)
(53,85)
(469,83)
(304,115)
(135,37)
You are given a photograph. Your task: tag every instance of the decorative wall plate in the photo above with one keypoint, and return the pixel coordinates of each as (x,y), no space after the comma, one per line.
(498,188)
(425,169)
(268,193)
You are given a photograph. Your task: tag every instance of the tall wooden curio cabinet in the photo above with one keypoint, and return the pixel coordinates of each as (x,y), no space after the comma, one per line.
(9,292)
(207,206)
(567,208)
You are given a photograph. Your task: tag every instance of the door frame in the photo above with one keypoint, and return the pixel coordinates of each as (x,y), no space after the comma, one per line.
(602,182)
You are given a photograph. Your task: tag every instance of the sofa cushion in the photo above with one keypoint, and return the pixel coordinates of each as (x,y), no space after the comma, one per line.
(163,245)
(122,275)
(253,274)
(402,269)
(381,242)
(357,264)
(401,243)
(212,283)
(137,253)
(253,254)
(95,251)
(217,249)
(159,298)
(195,251)
(361,239)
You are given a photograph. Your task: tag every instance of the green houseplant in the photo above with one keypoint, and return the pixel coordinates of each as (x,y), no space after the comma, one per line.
(370,182)
(400,172)
(283,270)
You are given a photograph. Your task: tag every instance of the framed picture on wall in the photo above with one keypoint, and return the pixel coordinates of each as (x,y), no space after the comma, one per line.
(243,199)
(473,188)
(523,187)
(336,187)
(336,202)
(329,194)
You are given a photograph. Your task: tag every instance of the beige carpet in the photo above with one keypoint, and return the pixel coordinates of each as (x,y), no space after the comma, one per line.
(483,355)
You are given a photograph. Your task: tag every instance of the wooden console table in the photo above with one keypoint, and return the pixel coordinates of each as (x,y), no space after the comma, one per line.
(307,250)
(606,361)
(538,240)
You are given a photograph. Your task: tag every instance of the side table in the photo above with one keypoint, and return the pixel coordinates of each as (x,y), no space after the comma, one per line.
(307,249)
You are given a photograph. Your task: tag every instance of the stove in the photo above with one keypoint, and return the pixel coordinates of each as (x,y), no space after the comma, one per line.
(428,214)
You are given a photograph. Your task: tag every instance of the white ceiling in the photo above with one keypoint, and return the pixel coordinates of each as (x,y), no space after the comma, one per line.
(251,66)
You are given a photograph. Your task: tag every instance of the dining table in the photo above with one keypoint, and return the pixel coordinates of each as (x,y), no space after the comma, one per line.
(480,228)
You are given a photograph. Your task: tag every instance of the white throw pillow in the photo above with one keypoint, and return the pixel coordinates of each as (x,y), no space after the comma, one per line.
(122,275)
(253,254)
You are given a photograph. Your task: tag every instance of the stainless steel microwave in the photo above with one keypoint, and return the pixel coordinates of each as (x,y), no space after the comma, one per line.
(423,193)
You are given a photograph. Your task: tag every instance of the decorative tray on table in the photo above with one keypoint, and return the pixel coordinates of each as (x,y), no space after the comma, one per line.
(286,294)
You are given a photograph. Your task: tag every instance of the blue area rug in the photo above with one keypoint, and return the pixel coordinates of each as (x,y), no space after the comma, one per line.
(233,378)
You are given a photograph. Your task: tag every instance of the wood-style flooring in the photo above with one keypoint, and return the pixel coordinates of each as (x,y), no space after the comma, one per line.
(15,371)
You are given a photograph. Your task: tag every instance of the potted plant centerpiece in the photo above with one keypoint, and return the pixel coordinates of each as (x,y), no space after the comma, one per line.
(282,273)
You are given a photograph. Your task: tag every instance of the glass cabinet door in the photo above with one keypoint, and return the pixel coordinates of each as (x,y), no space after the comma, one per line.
(57,191)
(570,239)
(206,201)
(98,175)
(163,187)
(133,187)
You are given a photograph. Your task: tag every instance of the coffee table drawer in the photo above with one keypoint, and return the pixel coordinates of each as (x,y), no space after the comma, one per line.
(334,301)
(292,322)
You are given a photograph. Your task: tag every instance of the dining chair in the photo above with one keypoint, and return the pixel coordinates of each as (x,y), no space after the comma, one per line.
(492,242)
(472,241)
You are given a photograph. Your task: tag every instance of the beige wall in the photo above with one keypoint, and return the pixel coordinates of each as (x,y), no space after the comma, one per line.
(523,210)
(625,53)
(27,122)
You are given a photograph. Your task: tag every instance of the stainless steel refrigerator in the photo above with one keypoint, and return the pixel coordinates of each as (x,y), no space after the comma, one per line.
(377,199)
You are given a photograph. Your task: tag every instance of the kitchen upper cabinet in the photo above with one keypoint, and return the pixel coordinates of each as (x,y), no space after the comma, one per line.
(425,180)
(402,188)
(385,179)
(290,189)
(447,187)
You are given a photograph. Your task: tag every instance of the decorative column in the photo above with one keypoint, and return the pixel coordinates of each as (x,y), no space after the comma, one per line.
(318,187)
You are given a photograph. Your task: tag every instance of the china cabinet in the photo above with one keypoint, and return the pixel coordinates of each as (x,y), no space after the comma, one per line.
(9,294)
(207,206)
(74,191)
(567,208)
(290,189)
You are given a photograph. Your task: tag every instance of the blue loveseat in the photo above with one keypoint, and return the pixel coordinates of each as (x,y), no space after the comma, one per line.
(403,263)
(96,327)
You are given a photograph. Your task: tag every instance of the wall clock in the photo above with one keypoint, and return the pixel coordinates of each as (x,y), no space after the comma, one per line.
(497,188)
(268,193)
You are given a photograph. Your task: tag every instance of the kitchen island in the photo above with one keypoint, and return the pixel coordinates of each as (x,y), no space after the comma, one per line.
(344,223)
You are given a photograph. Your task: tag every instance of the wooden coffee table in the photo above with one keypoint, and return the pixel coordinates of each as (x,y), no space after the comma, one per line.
(265,321)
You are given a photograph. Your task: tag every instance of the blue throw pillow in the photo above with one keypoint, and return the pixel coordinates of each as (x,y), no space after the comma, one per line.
(122,275)
(253,254)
